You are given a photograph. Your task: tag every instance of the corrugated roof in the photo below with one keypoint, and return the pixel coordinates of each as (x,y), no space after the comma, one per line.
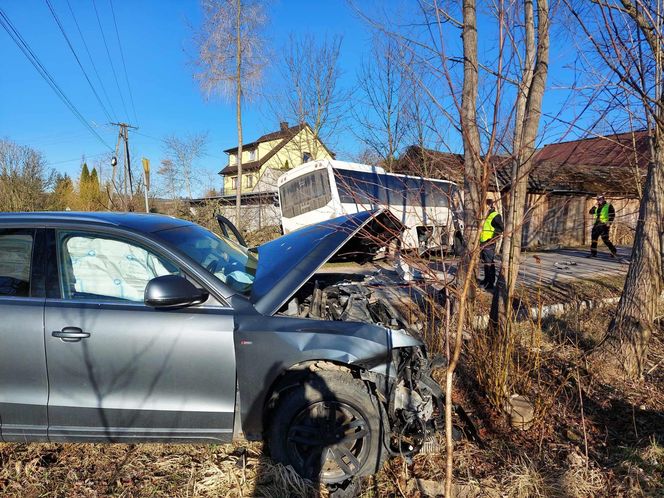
(612,164)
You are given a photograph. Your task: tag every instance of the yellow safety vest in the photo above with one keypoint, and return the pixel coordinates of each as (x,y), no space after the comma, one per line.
(602,214)
(487,229)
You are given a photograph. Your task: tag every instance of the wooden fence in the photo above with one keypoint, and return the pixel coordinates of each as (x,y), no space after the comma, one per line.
(555,220)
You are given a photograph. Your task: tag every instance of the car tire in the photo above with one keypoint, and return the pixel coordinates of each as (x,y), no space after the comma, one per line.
(330,428)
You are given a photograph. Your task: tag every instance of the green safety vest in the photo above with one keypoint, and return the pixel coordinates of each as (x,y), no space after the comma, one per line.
(487,229)
(602,214)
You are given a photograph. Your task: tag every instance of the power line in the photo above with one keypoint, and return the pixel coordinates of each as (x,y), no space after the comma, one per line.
(117,34)
(150,136)
(71,47)
(92,62)
(77,159)
(34,60)
(108,53)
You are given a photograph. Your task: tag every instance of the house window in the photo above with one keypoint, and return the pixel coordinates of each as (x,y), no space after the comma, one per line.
(249,183)
(234,183)
(232,159)
(306,157)
(252,155)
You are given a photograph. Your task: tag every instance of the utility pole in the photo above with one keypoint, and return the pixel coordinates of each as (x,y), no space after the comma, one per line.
(123,135)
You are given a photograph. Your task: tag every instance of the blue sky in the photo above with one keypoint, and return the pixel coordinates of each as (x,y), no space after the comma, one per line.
(157,47)
(156,41)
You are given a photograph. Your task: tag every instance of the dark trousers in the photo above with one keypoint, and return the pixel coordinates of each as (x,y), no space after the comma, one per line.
(487,255)
(601,230)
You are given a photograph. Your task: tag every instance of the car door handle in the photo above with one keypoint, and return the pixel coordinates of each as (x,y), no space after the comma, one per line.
(70,334)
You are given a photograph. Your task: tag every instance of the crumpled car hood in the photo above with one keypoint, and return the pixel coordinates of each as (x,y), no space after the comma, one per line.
(286,263)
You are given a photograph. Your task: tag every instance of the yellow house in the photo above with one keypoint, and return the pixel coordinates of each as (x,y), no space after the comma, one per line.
(264,160)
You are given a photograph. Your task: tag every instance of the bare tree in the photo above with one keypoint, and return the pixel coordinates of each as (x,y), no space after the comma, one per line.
(172,181)
(530,92)
(312,93)
(183,153)
(382,86)
(24,178)
(628,37)
(230,59)
(475,171)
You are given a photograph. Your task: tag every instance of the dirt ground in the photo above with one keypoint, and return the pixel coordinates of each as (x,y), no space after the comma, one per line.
(590,437)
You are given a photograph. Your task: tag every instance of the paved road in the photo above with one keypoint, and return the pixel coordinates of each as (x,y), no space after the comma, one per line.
(543,267)
(562,265)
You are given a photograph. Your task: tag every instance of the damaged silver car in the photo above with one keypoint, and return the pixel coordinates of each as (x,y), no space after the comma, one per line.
(147,328)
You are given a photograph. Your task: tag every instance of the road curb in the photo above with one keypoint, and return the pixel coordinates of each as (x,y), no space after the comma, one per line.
(481,322)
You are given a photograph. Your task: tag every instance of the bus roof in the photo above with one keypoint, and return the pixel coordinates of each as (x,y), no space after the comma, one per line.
(335,164)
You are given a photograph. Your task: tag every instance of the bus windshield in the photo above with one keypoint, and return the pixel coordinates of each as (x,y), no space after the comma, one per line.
(305,193)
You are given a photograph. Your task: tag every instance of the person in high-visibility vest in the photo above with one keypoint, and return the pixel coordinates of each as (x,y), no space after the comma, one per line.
(491,230)
(603,215)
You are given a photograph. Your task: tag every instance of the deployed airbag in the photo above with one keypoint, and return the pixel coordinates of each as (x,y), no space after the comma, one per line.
(106,267)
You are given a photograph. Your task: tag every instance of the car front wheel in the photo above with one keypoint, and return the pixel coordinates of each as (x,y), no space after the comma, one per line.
(330,428)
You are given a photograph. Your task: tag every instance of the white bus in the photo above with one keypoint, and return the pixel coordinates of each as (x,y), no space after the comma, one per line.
(322,190)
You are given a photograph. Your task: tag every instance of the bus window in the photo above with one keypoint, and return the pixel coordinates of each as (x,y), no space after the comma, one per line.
(438,194)
(305,193)
(395,189)
(359,187)
(416,193)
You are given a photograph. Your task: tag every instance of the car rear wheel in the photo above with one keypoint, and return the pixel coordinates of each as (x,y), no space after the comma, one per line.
(329,429)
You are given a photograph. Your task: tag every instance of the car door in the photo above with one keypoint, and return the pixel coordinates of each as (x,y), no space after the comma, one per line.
(122,371)
(23,381)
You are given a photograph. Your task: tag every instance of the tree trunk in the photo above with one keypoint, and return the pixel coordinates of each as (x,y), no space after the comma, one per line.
(238,114)
(529,108)
(624,348)
(475,192)
(515,199)
(474,185)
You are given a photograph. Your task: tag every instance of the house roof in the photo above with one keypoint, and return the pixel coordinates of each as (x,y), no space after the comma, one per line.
(246,167)
(612,164)
(285,134)
(446,165)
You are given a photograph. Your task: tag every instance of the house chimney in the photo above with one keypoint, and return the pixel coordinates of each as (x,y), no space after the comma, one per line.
(283,126)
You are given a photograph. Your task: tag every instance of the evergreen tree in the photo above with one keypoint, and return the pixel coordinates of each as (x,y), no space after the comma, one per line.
(95,188)
(85,189)
(63,196)
(85,175)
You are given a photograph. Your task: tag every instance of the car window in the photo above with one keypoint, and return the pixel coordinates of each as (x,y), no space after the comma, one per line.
(15,257)
(231,263)
(100,267)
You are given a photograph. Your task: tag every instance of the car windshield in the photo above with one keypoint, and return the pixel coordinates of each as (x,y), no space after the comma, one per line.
(231,263)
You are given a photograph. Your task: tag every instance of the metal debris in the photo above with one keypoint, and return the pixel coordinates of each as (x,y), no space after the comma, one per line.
(349,301)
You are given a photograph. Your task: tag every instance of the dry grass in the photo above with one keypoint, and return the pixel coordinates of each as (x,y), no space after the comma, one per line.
(144,470)
(525,480)
(581,479)
(643,470)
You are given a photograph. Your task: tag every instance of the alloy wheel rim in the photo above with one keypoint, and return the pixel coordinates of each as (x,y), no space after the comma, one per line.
(329,440)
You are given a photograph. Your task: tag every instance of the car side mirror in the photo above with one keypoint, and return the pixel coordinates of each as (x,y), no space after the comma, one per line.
(172,291)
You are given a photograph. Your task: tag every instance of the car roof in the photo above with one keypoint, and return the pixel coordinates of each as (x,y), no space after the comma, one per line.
(141,222)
